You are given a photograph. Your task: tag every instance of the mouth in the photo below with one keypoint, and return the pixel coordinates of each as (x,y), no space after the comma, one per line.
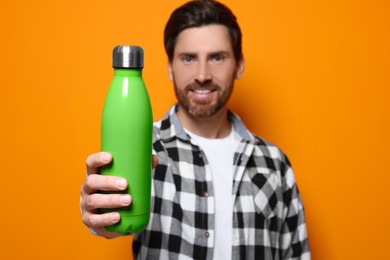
(202,91)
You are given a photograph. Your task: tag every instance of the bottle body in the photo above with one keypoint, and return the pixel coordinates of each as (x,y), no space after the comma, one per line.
(126,133)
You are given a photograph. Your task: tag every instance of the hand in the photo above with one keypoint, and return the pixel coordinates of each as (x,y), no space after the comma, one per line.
(92,201)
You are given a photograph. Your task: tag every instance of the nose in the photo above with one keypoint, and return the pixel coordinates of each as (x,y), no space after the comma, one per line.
(203,73)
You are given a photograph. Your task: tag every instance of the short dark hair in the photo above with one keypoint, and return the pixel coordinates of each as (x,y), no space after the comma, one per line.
(197,13)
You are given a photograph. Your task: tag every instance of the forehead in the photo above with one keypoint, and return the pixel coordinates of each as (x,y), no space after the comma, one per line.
(210,38)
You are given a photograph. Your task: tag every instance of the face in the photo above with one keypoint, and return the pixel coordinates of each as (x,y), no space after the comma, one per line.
(203,69)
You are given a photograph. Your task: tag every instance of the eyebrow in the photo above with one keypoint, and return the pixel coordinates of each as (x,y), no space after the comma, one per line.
(186,54)
(211,54)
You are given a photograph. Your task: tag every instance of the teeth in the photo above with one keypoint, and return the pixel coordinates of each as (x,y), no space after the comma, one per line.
(202,91)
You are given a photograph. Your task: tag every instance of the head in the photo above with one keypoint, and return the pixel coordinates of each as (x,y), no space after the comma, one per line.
(203,44)
(199,13)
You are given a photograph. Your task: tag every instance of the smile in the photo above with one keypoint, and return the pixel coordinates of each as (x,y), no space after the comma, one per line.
(202,91)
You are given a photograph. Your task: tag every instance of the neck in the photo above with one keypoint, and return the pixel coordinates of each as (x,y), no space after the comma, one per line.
(215,126)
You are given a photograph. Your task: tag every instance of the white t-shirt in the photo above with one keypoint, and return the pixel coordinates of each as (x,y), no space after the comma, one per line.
(219,154)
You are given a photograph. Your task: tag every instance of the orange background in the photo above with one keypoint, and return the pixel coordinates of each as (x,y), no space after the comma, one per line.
(316,84)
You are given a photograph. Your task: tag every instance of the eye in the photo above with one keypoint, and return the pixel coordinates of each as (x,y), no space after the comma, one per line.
(187,59)
(218,58)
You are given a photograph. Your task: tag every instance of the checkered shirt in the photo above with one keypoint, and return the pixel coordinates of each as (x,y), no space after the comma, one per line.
(268,216)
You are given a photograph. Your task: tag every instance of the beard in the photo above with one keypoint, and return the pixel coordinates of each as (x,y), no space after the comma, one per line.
(203,108)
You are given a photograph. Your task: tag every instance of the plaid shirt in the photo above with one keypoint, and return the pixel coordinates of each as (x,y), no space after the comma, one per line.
(268,216)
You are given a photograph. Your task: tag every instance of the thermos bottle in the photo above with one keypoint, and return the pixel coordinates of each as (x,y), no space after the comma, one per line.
(126,133)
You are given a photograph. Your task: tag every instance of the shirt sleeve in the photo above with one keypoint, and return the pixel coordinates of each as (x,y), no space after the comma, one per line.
(294,242)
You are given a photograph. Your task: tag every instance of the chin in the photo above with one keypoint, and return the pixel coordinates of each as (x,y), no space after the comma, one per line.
(203,111)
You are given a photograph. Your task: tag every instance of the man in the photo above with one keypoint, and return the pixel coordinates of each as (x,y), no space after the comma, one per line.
(218,191)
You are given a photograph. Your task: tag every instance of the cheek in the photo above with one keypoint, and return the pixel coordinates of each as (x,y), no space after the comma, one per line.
(224,78)
(182,75)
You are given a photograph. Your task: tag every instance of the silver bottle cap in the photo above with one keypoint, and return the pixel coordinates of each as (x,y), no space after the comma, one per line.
(130,57)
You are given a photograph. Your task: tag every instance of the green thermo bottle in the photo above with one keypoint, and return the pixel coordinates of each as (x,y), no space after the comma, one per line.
(127,125)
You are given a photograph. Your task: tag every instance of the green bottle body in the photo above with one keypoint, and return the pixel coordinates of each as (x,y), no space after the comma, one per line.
(127,125)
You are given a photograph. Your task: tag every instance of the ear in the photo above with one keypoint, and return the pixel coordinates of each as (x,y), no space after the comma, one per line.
(240,68)
(170,73)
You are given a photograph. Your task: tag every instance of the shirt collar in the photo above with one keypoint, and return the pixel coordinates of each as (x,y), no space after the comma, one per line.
(171,127)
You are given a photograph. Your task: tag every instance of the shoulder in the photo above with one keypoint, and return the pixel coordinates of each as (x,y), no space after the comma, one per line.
(270,148)
(264,152)
(274,157)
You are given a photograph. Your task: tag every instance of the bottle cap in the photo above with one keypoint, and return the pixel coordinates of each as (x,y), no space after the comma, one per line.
(130,57)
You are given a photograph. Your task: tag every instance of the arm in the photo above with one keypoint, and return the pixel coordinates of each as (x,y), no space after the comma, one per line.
(293,238)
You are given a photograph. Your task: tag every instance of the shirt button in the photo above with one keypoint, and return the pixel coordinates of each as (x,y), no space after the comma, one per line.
(205,194)
(206,234)
(200,155)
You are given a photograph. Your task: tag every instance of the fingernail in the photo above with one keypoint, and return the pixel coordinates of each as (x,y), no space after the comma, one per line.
(125,199)
(121,183)
(115,217)
(105,157)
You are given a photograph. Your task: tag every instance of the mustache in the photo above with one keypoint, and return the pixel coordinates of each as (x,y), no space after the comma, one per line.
(207,85)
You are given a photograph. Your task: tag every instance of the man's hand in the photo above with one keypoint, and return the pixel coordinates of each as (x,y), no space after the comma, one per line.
(92,201)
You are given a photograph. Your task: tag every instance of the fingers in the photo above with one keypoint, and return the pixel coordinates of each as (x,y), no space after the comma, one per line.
(94,161)
(91,201)
(154,161)
(95,182)
(105,201)
(96,221)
